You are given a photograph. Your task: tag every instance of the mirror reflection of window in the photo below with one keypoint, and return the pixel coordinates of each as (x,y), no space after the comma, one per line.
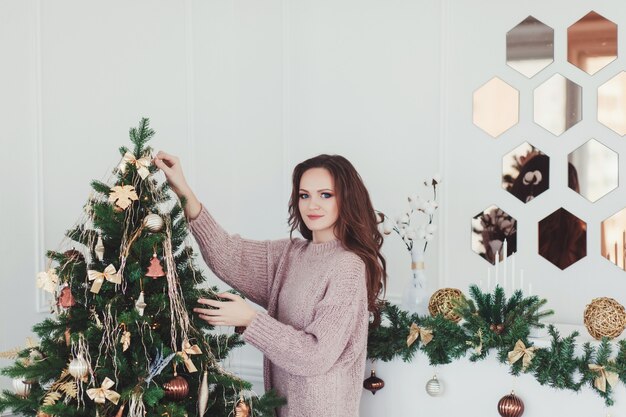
(558,104)
(495,107)
(593,170)
(530,46)
(612,103)
(562,238)
(489,230)
(613,239)
(525,172)
(592,43)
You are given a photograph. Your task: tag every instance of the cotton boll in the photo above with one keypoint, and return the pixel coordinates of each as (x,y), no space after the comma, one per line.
(437,178)
(410,234)
(404,218)
(431,228)
(421,233)
(429,237)
(387,226)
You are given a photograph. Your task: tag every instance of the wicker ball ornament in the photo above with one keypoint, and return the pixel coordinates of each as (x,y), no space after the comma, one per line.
(442,302)
(511,406)
(177,388)
(21,388)
(605,317)
(153,222)
(79,368)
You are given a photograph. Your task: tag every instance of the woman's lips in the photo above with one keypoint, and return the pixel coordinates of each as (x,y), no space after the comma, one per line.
(313,217)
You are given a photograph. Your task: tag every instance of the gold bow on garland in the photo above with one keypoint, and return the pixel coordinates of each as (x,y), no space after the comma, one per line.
(100,395)
(188,349)
(109,274)
(604,376)
(521,351)
(425,334)
(142,164)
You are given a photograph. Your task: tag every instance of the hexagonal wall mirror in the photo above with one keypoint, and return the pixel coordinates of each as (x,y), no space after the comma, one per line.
(613,239)
(530,46)
(593,170)
(592,43)
(558,104)
(490,228)
(562,238)
(612,103)
(495,107)
(525,172)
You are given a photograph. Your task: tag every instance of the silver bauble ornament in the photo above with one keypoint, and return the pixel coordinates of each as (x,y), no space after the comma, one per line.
(153,222)
(434,387)
(79,368)
(21,387)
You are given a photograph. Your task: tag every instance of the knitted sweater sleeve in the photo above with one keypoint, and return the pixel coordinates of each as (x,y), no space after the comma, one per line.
(246,265)
(316,348)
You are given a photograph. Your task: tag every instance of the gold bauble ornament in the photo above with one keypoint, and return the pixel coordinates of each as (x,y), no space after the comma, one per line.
(510,406)
(79,368)
(21,387)
(373,383)
(153,222)
(605,317)
(177,388)
(42,414)
(444,301)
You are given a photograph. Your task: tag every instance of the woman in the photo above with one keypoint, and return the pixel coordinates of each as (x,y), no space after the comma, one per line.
(317,290)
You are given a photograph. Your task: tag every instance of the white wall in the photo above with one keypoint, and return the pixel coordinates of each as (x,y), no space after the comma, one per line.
(244,90)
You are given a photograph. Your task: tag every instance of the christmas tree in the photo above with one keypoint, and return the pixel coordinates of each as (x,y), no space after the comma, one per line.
(122,340)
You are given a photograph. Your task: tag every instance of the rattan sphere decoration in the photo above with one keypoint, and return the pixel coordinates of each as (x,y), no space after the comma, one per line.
(605,317)
(442,302)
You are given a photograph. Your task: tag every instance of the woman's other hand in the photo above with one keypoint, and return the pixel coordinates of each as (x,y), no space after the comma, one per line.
(236,312)
(173,170)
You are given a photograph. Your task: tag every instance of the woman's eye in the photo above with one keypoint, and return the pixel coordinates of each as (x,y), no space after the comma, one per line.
(303,196)
(327,195)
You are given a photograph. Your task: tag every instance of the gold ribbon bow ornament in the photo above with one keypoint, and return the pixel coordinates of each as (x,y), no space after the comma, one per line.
(521,351)
(604,376)
(109,274)
(188,349)
(142,164)
(48,281)
(425,334)
(100,395)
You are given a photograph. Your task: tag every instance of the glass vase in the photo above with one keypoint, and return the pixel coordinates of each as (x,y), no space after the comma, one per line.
(415,295)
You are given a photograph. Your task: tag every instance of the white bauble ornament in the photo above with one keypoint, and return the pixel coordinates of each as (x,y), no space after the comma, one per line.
(434,387)
(153,222)
(79,368)
(21,387)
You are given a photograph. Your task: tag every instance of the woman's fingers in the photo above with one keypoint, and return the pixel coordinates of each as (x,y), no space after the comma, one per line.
(228,295)
(211,303)
(207,312)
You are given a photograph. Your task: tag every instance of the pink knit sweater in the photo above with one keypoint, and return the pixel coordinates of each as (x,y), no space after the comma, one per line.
(314,334)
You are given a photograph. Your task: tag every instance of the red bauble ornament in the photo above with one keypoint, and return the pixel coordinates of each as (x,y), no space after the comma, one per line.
(373,383)
(74,256)
(242,409)
(155,269)
(510,406)
(240,329)
(66,299)
(177,388)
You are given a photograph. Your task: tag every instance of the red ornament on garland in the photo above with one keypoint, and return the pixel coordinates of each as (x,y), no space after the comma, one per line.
(73,255)
(155,270)
(510,406)
(373,383)
(66,299)
(177,388)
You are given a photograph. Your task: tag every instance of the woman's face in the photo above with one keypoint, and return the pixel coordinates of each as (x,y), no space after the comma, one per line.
(317,203)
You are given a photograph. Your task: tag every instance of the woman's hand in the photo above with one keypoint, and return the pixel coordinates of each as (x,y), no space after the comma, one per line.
(236,312)
(173,170)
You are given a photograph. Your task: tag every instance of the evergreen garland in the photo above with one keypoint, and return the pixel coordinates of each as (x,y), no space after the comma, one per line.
(491,322)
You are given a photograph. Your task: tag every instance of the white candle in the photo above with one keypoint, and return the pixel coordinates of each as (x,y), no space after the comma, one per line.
(504,249)
(530,289)
(480,284)
(512,273)
(521,279)
(497,262)
(489,278)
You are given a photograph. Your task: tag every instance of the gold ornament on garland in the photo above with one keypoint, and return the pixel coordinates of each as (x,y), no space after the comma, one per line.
(153,222)
(177,388)
(373,383)
(434,387)
(521,351)
(99,248)
(48,281)
(203,394)
(79,368)
(426,335)
(603,377)
(100,395)
(123,196)
(605,317)
(444,301)
(125,339)
(510,406)
(187,350)
(21,387)
(140,304)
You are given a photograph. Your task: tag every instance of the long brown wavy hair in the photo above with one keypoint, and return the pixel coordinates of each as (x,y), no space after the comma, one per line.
(356,225)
